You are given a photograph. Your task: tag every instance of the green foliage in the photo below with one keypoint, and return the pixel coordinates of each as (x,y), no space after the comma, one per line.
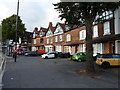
(9,28)
(77,12)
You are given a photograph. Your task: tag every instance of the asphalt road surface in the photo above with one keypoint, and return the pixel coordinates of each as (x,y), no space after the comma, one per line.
(35,72)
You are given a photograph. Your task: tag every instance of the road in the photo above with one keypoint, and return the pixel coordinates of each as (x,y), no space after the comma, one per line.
(35,72)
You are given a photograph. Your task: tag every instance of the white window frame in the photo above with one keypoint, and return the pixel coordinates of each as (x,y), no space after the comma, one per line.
(68,37)
(81,33)
(34,41)
(56,38)
(51,40)
(47,40)
(60,38)
(95,31)
(82,47)
(106,26)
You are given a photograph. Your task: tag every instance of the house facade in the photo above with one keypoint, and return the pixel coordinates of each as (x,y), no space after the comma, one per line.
(117,30)
(48,44)
(61,38)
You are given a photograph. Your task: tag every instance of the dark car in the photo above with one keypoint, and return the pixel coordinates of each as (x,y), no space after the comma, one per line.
(32,53)
(64,55)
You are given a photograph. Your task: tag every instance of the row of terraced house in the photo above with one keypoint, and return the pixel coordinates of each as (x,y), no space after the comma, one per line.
(66,38)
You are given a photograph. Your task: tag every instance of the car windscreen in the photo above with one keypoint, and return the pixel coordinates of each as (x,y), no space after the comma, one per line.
(20,49)
(116,56)
(108,56)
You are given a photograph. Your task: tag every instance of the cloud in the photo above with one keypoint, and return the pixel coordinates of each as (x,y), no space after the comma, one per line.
(34,13)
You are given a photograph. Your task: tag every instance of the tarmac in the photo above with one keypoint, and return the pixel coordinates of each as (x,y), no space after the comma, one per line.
(35,72)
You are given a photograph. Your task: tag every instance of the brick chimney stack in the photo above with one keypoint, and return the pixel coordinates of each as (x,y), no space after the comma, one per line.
(50,24)
(36,29)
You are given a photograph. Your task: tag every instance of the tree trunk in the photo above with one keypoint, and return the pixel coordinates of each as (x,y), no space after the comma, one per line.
(89,47)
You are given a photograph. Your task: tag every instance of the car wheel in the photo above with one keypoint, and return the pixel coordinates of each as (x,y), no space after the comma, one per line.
(79,60)
(105,65)
(46,57)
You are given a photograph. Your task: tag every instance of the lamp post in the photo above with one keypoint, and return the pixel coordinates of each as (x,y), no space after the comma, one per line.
(16,30)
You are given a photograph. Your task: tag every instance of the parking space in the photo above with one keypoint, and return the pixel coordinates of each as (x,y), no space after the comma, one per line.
(35,72)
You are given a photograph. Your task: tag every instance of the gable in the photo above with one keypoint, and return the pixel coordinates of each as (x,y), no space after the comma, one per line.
(49,33)
(58,30)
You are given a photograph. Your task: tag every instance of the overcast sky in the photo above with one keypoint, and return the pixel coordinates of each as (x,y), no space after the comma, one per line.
(34,13)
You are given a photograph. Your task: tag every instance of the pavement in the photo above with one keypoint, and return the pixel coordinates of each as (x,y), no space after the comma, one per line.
(35,72)
(2,68)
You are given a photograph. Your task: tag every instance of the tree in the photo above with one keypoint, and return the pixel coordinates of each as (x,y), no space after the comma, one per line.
(84,13)
(9,28)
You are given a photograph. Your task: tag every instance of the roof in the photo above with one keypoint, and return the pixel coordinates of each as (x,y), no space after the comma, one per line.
(36,30)
(62,26)
(51,27)
(43,29)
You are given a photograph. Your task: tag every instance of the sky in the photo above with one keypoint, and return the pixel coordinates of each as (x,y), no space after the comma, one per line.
(34,13)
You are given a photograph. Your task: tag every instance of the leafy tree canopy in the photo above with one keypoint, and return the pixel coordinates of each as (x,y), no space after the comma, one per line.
(77,12)
(9,28)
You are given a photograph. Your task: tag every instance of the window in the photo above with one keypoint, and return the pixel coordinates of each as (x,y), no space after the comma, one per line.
(95,31)
(82,47)
(82,34)
(34,41)
(47,41)
(97,48)
(51,40)
(41,40)
(68,37)
(56,39)
(60,38)
(106,28)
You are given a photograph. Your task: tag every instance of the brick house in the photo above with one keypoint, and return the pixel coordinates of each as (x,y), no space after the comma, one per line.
(48,44)
(58,37)
(34,40)
(26,41)
(117,30)
(61,38)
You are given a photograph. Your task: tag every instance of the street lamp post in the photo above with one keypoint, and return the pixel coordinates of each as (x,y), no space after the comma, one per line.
(16,30)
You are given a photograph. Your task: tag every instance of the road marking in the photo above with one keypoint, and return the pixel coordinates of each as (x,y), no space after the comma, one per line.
(1,65)
(4,56)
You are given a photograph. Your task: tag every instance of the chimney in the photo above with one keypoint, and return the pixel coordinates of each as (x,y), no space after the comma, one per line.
(36,29)
(50,24)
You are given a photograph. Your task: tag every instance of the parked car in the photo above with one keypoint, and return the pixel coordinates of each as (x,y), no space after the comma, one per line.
(80,56)
(57,54)
(107,60)
(32,53)
(64,55)
(41,51)
(48,55)
(20,51)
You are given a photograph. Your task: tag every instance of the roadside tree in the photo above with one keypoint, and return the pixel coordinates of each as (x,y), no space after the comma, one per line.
(9,28)
(84,13)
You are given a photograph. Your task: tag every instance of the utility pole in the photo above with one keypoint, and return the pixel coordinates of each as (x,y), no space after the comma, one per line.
(16,31)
